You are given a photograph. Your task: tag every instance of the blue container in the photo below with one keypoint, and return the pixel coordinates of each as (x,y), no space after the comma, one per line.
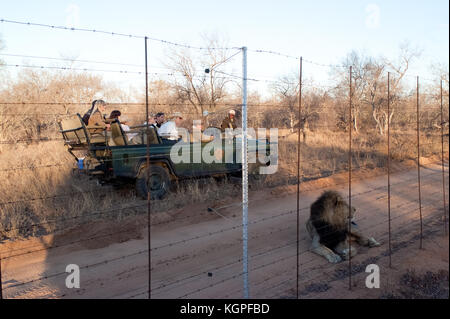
(80,163)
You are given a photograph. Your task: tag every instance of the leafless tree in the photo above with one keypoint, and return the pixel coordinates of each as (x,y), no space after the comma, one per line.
(360,75)
(70,91)
(399,69)
(198,79)
(369,84)
(441,74)
(286,91)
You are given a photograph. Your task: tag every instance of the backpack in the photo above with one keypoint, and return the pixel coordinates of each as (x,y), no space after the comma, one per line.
(87,115)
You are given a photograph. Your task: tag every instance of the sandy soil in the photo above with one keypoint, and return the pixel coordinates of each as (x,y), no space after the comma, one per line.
(197,253)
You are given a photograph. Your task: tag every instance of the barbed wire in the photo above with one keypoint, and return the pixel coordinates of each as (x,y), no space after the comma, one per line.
(256,255)
(72,69)
(226,106)
(335,171)
(182,241)
(264,252)
(325,65)
(116,34)
(399,235)
(30,167)
(71,243)
(48,248)
(322,273)
(169,104)
(259,267)
(104,262)
(384,71)
(70,60)
(183,45)
(65,219)
(213,269)
(209,234)
(31,140)
(275,53)
(272,263)
(259,51)
(126,72)
(144,251)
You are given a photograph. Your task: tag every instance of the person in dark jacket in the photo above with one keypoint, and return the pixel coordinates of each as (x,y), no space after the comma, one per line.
(229,121)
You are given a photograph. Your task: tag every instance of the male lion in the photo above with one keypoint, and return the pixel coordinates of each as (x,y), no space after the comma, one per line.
(328,228)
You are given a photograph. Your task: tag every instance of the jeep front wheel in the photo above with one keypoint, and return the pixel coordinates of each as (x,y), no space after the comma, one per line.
(157,180)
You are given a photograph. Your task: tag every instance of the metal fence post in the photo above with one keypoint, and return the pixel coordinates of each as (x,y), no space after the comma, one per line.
(389,164)
(148,177)
(1,286)
(350,183)
(244,173)
(443,170)
(298,165)
(418,164)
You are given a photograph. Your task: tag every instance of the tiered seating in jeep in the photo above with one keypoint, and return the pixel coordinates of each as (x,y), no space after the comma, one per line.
(79,137)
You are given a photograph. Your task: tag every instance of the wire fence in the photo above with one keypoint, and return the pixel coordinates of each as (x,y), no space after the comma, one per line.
(377,140)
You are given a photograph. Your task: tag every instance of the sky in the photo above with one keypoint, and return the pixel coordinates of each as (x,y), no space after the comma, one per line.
(323,31)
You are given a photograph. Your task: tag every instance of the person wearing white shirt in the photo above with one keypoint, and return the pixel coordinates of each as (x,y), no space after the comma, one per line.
(169,129)
(125,128)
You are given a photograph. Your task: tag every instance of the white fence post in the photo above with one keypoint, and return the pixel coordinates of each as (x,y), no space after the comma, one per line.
(244,173)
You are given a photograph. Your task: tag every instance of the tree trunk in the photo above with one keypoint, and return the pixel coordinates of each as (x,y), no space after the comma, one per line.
(377,119)
(355,122)
(291,115)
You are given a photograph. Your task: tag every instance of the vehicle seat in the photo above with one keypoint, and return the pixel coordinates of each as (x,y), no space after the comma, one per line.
(153,137)
(94,137)
(141,138)
(117,134)
(72,131)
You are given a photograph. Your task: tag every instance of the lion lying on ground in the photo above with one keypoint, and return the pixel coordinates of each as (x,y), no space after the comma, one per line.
(328,228)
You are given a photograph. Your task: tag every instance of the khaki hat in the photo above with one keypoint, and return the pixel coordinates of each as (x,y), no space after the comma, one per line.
(232,112)
(177,114)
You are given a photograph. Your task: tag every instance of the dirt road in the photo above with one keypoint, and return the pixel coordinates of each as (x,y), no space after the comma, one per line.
(197,253)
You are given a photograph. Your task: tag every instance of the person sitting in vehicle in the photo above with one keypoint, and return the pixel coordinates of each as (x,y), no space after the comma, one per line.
(169,129)
(151,120)
(98,118)
(124,121)
(159,119)
(114,115)
(229,121)
(199,127)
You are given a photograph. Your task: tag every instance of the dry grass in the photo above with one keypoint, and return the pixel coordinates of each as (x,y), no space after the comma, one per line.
(327,152)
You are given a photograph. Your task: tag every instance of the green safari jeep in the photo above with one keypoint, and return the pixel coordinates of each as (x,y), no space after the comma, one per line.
(111,156)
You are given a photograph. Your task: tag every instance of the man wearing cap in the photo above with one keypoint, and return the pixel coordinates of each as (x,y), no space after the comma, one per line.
(169,129)
(229,121)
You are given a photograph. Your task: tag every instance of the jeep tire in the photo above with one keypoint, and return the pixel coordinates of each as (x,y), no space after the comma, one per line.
(159,182)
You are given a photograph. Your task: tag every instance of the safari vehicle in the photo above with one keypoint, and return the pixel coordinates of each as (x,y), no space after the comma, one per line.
(110,157)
